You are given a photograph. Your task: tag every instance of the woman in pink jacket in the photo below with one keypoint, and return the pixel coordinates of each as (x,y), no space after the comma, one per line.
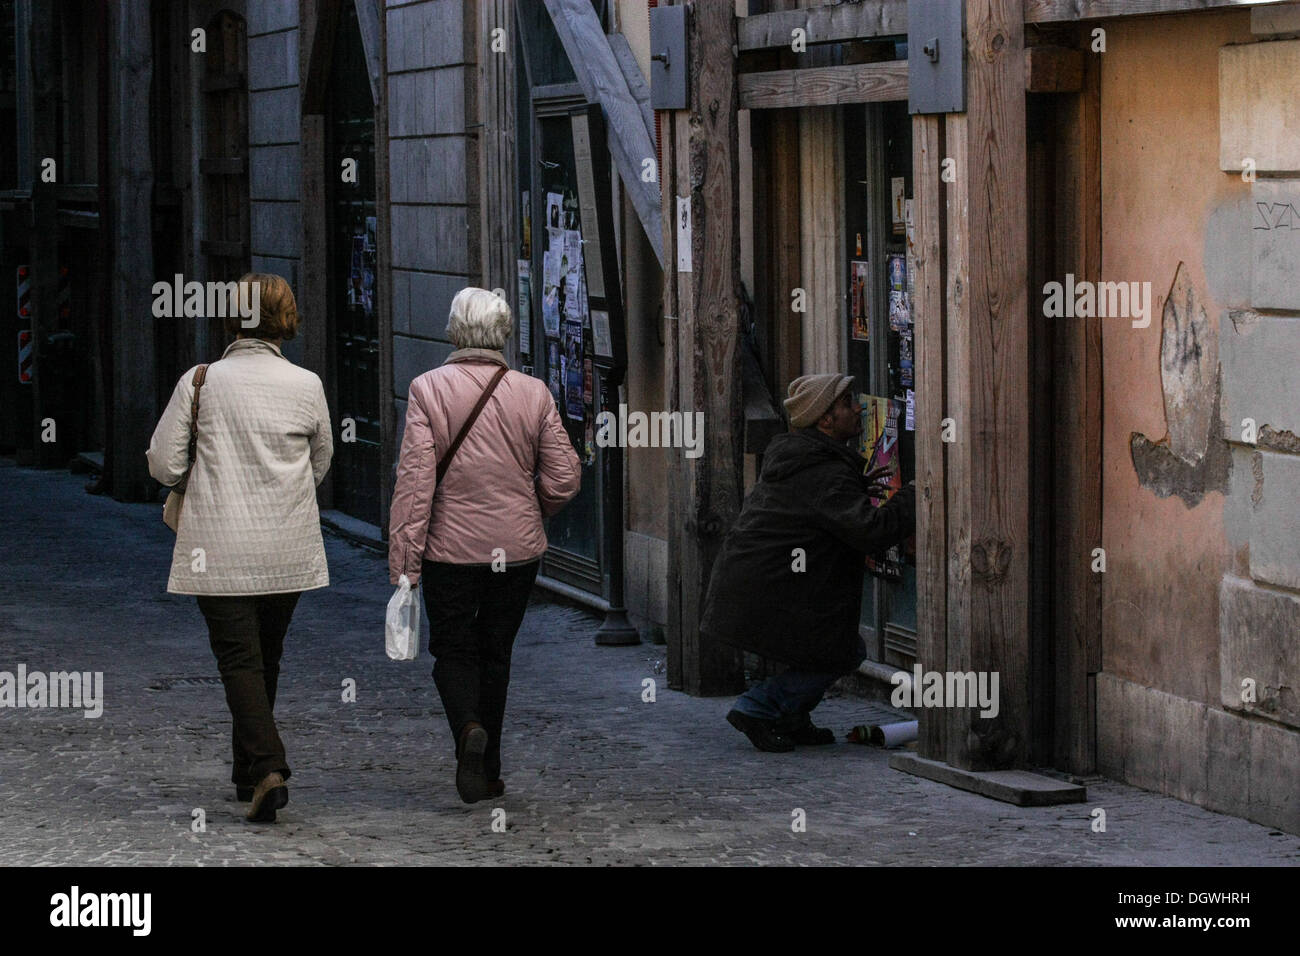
(475,537)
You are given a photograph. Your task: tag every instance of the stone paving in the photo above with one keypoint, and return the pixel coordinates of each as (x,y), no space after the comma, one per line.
(595,775)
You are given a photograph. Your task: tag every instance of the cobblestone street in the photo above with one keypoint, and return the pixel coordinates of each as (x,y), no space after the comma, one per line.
(594,775)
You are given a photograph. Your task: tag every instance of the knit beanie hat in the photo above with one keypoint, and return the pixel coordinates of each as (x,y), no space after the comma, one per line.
(812,395)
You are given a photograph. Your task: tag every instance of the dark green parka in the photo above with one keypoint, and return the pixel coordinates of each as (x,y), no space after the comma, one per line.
(812,495)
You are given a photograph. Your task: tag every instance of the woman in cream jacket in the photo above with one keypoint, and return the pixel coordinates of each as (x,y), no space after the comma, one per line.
(249,540)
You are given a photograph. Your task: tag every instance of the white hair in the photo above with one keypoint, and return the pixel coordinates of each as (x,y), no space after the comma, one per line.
(479,320)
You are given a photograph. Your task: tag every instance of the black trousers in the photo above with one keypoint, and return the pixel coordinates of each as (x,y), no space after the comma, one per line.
(474,614)
(247,636)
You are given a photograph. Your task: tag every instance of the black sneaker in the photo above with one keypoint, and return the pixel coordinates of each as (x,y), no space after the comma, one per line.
(763,734)
(812,736)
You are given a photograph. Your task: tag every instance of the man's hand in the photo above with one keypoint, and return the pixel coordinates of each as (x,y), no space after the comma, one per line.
(878,481)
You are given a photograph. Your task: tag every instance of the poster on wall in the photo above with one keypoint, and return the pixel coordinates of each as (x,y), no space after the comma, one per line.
(571,267)
(601,340)
(573,403)
(897,191)
(878,444)
(858,312)
(553,368)
(526,227)
(900,306)
(554,211)
(525,312)
(551,292)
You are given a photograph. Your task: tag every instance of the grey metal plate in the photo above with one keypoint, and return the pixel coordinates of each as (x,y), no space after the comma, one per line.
(669,66)
(936,56)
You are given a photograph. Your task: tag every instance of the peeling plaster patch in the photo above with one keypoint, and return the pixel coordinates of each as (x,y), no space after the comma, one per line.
(1185,370)
(1257,470)
(1192,459)
(1278,440)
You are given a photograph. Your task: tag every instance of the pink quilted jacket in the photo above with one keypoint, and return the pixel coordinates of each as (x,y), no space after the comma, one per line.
(489,497)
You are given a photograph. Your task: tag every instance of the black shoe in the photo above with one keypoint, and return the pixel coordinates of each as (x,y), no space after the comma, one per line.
(812,736)
(470,782)
(763,734)
(243,794)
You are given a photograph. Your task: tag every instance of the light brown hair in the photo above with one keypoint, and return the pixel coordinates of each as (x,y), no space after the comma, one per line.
(277,309)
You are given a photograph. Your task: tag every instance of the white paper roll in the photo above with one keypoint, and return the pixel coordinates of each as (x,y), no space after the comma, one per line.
(894,735)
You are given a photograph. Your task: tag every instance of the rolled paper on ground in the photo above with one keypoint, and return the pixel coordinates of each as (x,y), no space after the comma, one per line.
(894,735)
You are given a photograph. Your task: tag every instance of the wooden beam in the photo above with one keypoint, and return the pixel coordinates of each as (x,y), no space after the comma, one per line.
(1077,482)
(992,411)
(603,82)
(928,313)
(1053,69)
(134,378)
(705,493)
(827,24)
(825,85)
(1053,11)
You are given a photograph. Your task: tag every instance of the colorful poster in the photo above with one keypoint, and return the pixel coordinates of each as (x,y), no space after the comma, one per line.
(573,403)
(900,305)
(909,419)
(858,311)
(586,381)
(525,306)
(878,444)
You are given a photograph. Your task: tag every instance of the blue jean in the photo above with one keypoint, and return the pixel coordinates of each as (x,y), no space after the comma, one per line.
(787,695)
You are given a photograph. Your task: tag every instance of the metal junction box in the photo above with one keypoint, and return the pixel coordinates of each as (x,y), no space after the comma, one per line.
(936,56)
(669,63)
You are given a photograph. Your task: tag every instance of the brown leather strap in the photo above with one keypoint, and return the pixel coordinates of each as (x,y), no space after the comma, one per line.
(445,463)
(200,374)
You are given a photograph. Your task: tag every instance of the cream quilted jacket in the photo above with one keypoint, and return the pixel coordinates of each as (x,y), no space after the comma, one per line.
(264,445)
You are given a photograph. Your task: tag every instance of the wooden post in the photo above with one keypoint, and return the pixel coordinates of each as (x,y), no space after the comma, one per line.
(43,226)
(988,627)
(704,375)
(931,405)
(1078,595)
(135,391)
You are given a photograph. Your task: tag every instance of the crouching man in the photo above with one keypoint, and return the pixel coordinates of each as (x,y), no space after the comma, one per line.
(788,582)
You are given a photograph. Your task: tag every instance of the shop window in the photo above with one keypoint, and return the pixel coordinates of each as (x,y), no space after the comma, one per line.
(556,342)
(880,344)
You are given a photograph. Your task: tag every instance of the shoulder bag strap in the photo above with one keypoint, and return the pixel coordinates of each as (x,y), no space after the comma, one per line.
(200,374)
(445,462)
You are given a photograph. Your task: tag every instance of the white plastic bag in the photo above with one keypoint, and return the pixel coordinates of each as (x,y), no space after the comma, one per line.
(402,623)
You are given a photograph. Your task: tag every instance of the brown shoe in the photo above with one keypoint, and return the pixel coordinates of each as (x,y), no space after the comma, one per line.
(268,796)
(470,782)
(496,788)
